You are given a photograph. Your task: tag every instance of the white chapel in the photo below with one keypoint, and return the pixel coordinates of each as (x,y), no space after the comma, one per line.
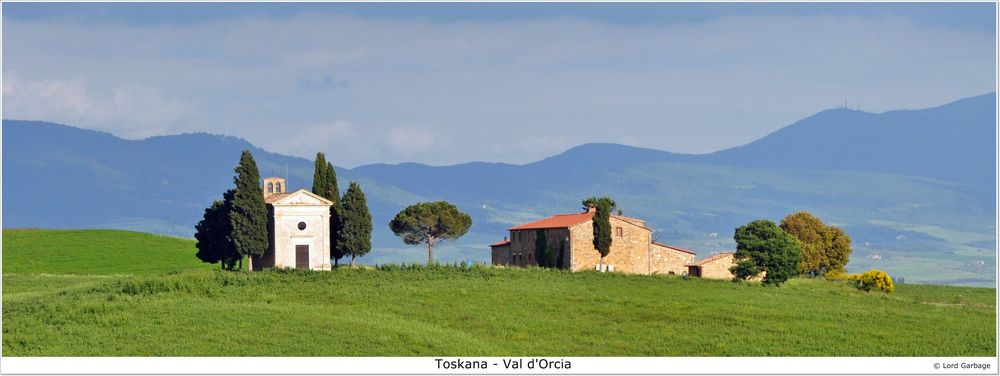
(298,228)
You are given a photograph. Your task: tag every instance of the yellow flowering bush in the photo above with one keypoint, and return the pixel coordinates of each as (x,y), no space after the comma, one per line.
(872,280)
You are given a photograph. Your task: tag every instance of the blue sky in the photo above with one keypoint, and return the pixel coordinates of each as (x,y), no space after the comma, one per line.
(445,83)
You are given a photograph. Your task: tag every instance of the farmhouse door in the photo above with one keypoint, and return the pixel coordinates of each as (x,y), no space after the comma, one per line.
(302,256)
(694,271)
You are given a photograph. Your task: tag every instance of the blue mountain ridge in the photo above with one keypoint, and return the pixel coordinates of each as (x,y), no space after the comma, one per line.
(917,185)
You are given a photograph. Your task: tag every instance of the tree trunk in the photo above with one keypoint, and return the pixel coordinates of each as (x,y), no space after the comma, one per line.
(353,264)
(600,265)
(336,262)
(430,253)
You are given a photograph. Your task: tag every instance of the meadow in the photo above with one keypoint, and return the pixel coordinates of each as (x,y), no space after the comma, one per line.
(445,310)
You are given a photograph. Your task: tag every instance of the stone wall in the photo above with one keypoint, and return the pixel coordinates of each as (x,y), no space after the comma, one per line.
(665,260)
(522,245)
(718,268)
(501,255)
(629,247)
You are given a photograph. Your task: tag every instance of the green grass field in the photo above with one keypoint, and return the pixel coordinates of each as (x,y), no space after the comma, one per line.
(96,252)
(403,311)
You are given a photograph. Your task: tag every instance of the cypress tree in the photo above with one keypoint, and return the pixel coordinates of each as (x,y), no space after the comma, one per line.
(325,185)
(562,254)
(320,180)
(248,213)
(355,236)
(541,249)
(602,224)
(602,232)
(335,213)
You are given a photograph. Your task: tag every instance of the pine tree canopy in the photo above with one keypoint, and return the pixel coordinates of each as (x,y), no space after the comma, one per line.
(429,223)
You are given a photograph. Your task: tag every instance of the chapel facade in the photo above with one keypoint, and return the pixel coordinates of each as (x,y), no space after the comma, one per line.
(298,228)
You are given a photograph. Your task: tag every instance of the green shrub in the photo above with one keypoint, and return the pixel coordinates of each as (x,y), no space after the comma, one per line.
(872,280)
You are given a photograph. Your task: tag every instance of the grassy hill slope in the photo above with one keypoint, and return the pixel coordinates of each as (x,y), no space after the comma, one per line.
(485,312)
(96,252)
(402,311)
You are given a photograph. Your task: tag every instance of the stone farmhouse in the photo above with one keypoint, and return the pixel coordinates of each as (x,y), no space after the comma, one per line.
(571,237)
(715,267)
(298,228)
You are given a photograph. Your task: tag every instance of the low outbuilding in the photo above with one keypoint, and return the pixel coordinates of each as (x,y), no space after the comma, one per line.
(713,267)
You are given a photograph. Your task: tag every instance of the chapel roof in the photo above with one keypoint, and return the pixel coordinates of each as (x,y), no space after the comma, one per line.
(313,199)
(272,198)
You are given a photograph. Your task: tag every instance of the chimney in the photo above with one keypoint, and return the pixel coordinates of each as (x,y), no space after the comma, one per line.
(591,208)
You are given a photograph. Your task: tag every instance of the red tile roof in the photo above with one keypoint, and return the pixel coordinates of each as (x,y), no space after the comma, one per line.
(497,244)
(557,221)
(570,220)
(711,259)
(674,248)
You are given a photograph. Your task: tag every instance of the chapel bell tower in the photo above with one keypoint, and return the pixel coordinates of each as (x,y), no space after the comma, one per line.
(273,185)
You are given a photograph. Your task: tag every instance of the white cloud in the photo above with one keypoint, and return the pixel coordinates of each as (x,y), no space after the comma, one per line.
(130,111)
(406,141)
(307,140)
(511,91)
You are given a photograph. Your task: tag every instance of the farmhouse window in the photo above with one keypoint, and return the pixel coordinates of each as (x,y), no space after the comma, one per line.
(618,232)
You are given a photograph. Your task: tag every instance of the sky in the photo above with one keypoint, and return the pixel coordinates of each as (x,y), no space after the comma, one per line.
(447,83)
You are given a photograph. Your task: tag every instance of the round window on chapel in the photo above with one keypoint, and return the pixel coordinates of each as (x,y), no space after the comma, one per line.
(302,226)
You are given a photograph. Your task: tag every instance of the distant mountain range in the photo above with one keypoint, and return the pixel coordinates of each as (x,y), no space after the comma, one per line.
(915,188)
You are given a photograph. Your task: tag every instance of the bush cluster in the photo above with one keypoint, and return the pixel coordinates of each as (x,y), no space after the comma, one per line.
(872,280)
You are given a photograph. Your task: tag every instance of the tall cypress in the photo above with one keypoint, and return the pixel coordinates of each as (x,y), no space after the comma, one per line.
(355,236)
(248,214)
(602,224)
(541,248)
(336,210)
(562,254)
(320,180)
